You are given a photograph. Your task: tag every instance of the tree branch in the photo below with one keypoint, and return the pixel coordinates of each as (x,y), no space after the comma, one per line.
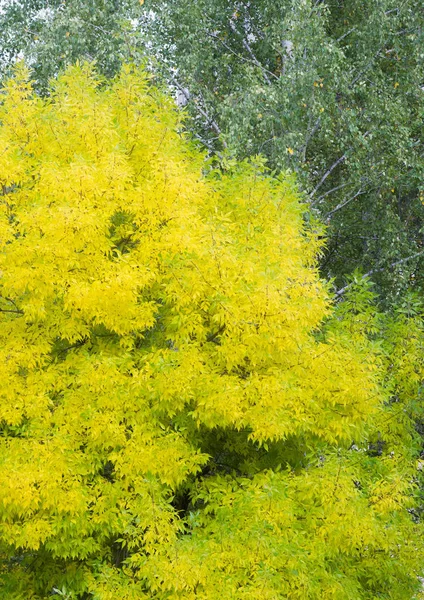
(16,310)
(73,346)
(244,59)
(379,269)
(343,204)
(367,66)
(326,174)
(342,37)
(257,63)
(309,136)
(210,120)
(334,189)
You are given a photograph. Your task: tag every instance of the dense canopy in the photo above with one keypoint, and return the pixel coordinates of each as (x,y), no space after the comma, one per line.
(186,415)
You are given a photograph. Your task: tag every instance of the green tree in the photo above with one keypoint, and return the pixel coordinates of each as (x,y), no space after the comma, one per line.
(185,415)
(331,90)
(51,34)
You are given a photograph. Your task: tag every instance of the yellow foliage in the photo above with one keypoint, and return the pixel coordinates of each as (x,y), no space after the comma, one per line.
(145,310)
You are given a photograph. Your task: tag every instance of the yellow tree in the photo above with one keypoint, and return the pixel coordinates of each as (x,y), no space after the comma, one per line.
(175,420)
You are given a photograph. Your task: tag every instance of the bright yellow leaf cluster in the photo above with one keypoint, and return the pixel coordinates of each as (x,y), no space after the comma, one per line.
(155,325)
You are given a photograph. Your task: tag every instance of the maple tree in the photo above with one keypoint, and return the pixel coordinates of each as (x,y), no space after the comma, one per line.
(182,397)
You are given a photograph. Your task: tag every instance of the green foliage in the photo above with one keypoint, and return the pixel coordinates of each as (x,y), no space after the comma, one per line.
(52,34)
(331,90)
(186,414)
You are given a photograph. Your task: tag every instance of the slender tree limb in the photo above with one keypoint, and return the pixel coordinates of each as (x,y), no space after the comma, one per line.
(212,337)
(247,46)
(73,346)
(333,166)
(342,37)
(343,204)
(334,189)
(404,31)
(11,301)
(210,120)
(379,269)
(207,144)
(309,136)
(327,173)
(258,64)
(244,59)
(396,263)
(16,308)
(367,66)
